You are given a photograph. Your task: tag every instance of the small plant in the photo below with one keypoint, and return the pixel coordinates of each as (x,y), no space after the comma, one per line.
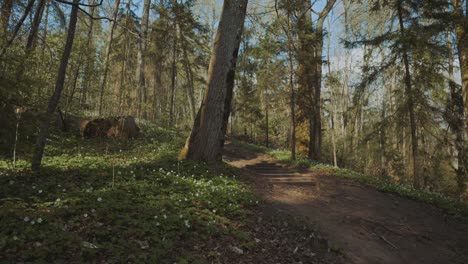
(154,206)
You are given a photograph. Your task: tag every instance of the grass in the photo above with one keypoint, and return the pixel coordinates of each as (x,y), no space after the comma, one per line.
(452,206)
(116,200)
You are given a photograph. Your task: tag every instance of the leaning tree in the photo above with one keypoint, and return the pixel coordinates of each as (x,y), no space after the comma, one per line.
(206,139)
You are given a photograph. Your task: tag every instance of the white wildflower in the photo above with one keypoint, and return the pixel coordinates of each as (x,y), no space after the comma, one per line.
(33,222)
(40,191)
(39,220)
(58,200)
(187,224)
(85,215)
(99,199)
(26,219)
(15,238)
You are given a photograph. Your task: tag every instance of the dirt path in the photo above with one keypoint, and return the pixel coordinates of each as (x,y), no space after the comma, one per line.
(370,226)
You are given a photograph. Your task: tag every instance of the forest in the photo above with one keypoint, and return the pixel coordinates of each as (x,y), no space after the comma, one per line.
(235,131)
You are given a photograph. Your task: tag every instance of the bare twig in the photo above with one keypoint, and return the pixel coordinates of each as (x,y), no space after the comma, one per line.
(386,240)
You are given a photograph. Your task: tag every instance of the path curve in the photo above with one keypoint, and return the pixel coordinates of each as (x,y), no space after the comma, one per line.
(370,226)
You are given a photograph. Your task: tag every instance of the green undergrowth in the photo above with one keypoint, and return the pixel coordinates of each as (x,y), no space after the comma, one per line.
(452,206)
(115,201)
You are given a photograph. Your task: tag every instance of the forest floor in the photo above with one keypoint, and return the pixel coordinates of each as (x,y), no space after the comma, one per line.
(365,224)
(112,200)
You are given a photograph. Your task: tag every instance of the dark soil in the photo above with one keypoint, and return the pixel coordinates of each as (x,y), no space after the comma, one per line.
(368,226)
(274,236)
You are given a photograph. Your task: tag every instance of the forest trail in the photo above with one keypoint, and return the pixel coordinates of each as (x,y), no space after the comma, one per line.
(370,226)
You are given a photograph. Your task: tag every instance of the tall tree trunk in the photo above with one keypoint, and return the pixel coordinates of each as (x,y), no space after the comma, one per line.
(188,70)
(457,122)
(461,30)
(5,13)
(173,80)
(310,71)
(31,42)
(18,26)
(140,72)
(190,83)
(267,127)
(89,56)
(292,97)
(332,101)
(410,100)
(292,100)
(206,140)
(107,52)
(59,85)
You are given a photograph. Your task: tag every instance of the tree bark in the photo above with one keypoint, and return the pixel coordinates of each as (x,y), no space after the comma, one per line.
(456,119)
(292,97)
(107,54)
(31,42)
(206,140)
(410,101)
(292,103)
(5,13)
(140,72)
(59,85)
(310,72)
(18,26)
(461,30)
(173,80)
(89,56)
(190,84)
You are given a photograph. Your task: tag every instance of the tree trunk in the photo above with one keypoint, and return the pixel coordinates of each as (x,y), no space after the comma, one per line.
(55,98)
(457,122)
(292,97)
(310,72)
(18,26)
(461,30)
(31,42)
(140,72)
(5,13)
(89,56)
(332,101)
(206,140)
(267,127)
(107,52)
(410,101)
(190,84)
(292,102)
(173,80)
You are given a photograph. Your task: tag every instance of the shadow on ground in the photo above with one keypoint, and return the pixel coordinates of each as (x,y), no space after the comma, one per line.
(370,226)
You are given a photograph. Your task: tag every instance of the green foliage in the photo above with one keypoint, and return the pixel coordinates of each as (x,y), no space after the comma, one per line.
(116,200)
